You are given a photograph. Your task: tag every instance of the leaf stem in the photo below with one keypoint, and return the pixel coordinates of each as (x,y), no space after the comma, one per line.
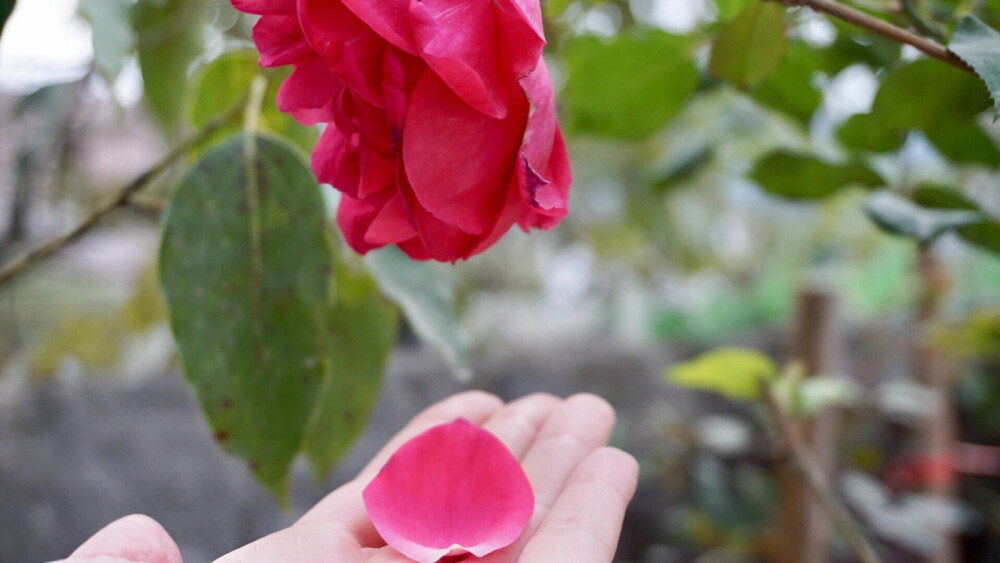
(806,464)
(21,263)
(251,124)
(850,15)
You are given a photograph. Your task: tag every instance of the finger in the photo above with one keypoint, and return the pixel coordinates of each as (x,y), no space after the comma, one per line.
(579,426)
(344,505)
(584,524)
(135,538)
(313,542)
(518,423)
(385,555)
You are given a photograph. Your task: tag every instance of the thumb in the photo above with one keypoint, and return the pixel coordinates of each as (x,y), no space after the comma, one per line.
(132,539)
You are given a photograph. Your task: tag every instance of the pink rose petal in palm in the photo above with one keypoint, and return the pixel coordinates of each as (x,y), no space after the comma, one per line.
(453,489)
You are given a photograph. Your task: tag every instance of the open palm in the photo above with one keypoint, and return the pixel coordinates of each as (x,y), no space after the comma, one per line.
(581,491)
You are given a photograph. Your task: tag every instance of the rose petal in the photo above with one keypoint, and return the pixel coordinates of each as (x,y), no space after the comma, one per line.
(352,51)
(354,217)
(543,173)
(453,488)
(400,73)
(458,41)
(520,23)
(555,192)
(458,160)
(265,7)
(388,18)
(513,209)
(414,248)
(280,41)
(336,160)
(442,241)
(309,92)
(393,224)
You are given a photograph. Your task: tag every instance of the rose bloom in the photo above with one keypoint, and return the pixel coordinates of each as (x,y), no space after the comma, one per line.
(441,125)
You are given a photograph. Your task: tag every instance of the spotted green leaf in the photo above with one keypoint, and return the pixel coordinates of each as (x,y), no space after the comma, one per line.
(360,331)
(245,267)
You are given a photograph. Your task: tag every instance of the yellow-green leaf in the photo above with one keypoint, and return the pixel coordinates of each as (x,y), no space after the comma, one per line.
(733,372)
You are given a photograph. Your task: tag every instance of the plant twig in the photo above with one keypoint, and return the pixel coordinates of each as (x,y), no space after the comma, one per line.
(807,465)
(18,265)
(850,15)
(146,204)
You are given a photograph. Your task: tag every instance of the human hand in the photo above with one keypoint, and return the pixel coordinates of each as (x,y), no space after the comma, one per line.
(581,489)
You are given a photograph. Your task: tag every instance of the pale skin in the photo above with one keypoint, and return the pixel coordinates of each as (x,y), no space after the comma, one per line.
(581,490)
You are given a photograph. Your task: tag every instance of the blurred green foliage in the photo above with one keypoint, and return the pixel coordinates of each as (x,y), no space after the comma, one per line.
(724,157)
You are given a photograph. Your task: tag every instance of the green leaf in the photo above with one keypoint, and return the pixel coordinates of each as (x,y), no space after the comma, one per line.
(984,234)
(966,142)
(169,38)
(799,176)
(897,215)
(979,46)
(936,98)
(630,86)
(727,9)
(425,292)
(790,87)
(942,197)
(733,372)
(220,84)
(361,330)
(245,267)
(750,47)
(6,9)
(113,37)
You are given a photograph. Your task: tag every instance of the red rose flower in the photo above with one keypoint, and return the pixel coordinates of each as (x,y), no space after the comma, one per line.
(452,490)
(441,126)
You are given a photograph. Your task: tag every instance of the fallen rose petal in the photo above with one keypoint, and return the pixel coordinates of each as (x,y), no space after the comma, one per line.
(453,489)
